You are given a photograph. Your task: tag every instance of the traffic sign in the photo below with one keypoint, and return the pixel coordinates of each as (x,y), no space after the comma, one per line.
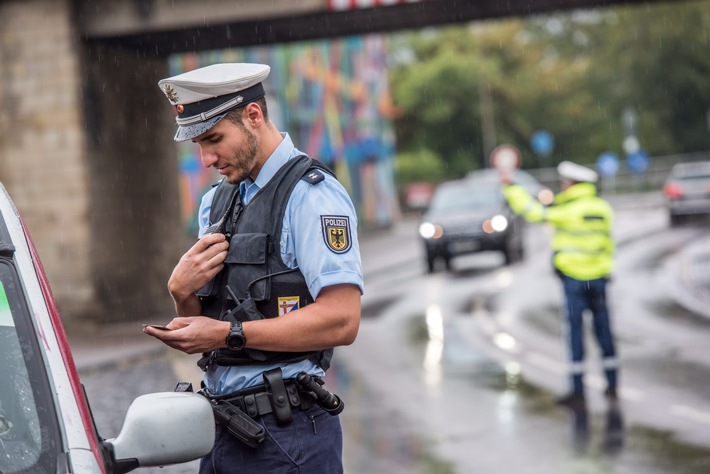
(608,164)
(631,145)
(542,142)
(637,162)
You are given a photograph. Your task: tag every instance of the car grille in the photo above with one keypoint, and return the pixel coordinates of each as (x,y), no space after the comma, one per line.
(456,230)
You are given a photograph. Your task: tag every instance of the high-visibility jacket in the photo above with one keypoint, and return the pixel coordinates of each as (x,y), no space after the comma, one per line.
(582,244)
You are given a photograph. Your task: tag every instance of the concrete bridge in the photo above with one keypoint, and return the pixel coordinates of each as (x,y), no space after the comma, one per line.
(85,145)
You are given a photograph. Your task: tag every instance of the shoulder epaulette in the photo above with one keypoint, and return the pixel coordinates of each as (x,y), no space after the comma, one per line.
(313,176)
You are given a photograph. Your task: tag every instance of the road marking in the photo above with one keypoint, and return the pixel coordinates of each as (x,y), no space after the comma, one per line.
(690,413)
(548,363)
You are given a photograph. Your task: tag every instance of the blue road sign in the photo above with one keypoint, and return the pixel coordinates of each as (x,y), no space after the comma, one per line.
(608,164)
(637,162)
(542,142)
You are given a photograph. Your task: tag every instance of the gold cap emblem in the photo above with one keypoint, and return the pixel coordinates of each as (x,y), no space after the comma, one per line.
(170,93)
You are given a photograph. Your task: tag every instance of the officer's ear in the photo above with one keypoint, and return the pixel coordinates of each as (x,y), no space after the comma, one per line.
(253,114)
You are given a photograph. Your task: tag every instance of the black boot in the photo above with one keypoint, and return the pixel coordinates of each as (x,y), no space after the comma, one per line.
(571,399)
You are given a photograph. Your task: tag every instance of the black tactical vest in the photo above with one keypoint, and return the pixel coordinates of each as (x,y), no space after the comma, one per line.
(255,283)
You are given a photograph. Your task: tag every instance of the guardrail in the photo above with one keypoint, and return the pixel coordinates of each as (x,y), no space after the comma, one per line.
(624,181)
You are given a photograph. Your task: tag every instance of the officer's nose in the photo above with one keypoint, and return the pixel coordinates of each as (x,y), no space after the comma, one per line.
(207,158)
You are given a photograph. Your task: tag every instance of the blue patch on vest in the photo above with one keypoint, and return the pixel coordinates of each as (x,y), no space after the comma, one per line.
(313,177)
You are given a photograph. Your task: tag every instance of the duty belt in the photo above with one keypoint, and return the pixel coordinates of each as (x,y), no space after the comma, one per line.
(259,400)
(237,411)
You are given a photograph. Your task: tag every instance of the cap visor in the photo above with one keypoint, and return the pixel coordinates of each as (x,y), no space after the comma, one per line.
(189,132)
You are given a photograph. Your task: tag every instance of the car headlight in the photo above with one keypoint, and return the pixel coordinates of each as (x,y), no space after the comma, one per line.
(430,231)
(497,223)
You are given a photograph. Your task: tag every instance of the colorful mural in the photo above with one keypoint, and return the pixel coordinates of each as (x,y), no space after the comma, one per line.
(333,99)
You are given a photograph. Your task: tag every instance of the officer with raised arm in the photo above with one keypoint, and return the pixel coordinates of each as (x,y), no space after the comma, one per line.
(583,259)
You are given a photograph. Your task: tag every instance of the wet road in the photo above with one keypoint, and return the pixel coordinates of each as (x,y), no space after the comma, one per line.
(484,379)
(457,372)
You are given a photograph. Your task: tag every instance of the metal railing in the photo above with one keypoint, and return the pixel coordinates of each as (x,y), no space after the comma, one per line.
(625,181)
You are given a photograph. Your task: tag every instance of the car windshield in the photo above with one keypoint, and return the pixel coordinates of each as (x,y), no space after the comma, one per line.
(28,427)
(465,197)
(692,171)
(701,178)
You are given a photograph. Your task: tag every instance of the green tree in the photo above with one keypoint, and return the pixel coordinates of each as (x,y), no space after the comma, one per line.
(437,91)
(422,165)
(571,74)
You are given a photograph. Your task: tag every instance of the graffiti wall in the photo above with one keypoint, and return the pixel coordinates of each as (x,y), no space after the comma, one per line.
(333,98)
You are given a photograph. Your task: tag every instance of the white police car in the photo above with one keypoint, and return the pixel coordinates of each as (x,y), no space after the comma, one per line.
(45,420)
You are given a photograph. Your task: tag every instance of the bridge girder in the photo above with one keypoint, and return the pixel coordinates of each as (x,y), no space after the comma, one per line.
(300,21)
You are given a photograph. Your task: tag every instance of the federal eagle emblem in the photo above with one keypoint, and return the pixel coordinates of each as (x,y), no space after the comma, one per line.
(336,233)
(170,93)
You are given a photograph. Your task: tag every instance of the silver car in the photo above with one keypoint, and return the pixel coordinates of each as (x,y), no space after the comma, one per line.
(45,421)
(687,190)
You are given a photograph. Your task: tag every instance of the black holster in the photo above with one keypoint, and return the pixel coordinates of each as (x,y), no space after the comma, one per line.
(279,398)
(238,423)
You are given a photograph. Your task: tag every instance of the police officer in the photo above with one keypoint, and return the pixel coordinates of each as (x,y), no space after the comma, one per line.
(583,259)
(273,283)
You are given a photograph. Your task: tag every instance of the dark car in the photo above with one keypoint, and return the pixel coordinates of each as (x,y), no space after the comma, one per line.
(46,424)
(687,190)
(471,215)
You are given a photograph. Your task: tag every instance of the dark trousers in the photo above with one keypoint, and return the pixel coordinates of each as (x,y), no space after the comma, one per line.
(311,444)
(591,295)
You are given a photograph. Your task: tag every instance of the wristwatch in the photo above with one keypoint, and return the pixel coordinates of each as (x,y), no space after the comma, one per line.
(236,340)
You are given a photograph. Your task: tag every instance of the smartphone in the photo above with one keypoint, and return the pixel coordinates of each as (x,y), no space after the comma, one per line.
(157,326)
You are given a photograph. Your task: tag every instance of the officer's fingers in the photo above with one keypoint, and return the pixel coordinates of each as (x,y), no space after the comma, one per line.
(216,249)
(178,323)
(212,272)
(217,257)
(207,240)
(157,333)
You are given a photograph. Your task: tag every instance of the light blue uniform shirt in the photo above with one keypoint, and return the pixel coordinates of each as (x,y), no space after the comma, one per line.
(302,236)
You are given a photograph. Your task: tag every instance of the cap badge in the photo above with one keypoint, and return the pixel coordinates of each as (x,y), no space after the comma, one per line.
(170,93)
(180,108)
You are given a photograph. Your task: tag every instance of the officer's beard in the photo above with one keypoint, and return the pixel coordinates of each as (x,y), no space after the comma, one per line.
(245,160)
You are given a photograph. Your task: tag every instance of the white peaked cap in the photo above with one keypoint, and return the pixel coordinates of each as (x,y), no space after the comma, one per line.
(203,97)
(576,172)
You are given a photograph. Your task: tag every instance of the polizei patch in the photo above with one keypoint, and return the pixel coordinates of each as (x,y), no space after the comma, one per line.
(336,232)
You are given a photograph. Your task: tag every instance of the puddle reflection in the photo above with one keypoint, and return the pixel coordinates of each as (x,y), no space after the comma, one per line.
(378,440)
(528,433)
(434,348)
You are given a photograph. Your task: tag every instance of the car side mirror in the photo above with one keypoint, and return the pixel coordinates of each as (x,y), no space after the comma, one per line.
(163,428)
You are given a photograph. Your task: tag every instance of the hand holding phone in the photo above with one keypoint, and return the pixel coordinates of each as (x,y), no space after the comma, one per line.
(157,326)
